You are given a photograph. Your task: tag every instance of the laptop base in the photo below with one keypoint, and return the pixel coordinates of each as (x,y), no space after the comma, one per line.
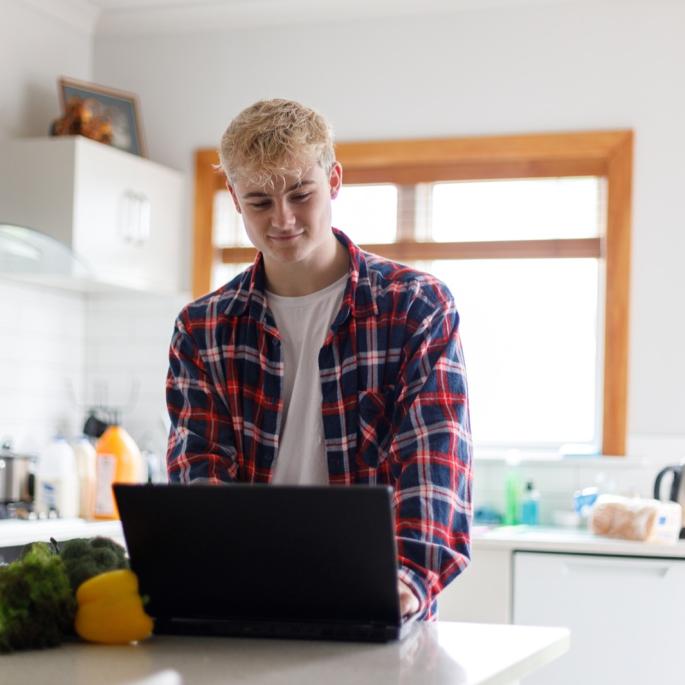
(352,632)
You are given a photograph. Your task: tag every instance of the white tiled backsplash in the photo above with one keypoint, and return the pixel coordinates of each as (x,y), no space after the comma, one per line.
(127,342)
(556,481)
(42,362)
(61,352)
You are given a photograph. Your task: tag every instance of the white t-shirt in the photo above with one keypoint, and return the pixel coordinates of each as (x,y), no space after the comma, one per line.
(303,323)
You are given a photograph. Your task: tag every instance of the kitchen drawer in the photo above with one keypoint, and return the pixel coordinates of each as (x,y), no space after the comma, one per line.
(624,613)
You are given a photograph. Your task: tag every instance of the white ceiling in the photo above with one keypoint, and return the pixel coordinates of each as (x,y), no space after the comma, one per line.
(125,17)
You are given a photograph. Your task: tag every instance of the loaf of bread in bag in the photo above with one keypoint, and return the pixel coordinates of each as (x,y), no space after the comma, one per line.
(627,518)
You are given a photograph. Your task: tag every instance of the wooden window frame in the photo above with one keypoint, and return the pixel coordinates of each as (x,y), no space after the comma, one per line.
(607,154)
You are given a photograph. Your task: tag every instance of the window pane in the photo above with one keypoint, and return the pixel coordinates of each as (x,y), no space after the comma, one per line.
(223,273)
(228,230)
(367,213)
(530,332)
(517,209)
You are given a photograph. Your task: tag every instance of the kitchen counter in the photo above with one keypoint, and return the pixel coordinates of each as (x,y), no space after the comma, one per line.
(486,591)
(432,654)
(16,533)
(524,538)
(574,541)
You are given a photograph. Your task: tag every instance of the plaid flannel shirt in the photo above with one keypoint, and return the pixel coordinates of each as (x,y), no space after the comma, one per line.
(394,403)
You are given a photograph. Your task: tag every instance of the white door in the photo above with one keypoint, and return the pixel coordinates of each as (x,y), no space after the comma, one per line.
(626,616)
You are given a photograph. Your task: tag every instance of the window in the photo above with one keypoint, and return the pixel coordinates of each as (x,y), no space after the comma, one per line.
(533,353)
(532,235)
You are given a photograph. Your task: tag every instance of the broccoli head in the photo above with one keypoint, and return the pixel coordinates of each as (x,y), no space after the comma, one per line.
(87,557)
(37,606)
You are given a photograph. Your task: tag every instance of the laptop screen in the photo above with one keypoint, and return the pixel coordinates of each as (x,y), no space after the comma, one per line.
(267,552)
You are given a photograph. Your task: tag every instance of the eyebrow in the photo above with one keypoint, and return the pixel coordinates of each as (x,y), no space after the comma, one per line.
(294,186)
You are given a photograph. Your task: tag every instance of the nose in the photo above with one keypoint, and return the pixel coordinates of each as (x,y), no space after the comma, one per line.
(283,216)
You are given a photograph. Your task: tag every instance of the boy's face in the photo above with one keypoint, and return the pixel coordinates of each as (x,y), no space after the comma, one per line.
(290,222)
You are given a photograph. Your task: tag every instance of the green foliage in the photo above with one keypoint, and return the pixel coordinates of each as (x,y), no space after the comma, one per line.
(87,557)
(37,605)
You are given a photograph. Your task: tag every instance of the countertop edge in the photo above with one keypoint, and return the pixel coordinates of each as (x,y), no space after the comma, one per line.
(578,542)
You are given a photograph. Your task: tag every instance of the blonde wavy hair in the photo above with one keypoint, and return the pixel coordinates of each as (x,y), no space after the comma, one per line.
(274,138)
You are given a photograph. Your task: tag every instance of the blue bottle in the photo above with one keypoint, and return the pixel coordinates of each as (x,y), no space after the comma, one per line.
(530,506)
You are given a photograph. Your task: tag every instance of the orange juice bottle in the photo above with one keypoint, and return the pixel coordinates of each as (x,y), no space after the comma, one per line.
(117,460)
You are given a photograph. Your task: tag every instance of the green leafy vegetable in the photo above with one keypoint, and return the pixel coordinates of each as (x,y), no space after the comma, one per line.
(37,605)
(87,557)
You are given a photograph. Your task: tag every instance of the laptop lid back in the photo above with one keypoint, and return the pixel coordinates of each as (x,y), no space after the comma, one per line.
(263,552)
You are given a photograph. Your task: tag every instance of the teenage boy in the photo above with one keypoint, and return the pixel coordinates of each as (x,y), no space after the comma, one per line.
(321,363)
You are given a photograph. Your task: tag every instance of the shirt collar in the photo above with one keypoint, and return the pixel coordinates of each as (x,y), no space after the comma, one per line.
(358,300)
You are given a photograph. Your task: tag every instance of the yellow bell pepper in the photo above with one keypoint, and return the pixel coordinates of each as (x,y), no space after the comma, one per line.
(110,610)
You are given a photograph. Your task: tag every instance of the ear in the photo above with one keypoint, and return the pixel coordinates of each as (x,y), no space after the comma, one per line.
(335,179)
(231,190)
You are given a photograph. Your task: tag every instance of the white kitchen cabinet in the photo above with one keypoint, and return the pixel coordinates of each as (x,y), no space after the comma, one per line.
(624,613)
(119,213)
(482,592)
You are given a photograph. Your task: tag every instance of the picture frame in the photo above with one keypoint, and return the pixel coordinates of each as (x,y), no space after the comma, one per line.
(120,107)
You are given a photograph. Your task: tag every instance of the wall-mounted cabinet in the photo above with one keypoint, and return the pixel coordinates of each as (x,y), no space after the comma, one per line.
(119,214)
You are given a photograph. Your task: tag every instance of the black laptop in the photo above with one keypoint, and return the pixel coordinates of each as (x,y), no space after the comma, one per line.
(265,560)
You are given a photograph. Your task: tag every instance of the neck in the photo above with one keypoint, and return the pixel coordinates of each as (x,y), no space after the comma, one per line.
(309,275)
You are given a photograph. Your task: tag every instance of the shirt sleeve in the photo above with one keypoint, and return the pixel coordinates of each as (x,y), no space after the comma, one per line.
(201,442)
(432,450)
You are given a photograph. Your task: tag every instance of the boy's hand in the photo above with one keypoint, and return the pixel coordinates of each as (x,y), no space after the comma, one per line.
(409,604)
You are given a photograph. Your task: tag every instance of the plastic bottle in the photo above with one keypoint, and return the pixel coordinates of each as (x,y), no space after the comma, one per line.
(512,497)
(57,480)
(530,506)
(85,467)
(118,460)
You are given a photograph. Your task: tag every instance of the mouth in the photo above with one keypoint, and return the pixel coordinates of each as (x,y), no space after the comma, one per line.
(286,238)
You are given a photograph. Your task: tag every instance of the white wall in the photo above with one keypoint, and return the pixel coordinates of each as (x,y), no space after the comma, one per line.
(36,48)
(574,66)
(42,332)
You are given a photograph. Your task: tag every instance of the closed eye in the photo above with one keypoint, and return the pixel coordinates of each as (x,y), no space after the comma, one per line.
(300,197)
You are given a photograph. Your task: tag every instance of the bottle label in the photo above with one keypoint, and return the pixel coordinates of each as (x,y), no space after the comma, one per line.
(49,495)
(105,468)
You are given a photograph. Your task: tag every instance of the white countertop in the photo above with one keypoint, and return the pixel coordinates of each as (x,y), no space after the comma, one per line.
(578,541)
(14,533)
(432,654)
(525,538)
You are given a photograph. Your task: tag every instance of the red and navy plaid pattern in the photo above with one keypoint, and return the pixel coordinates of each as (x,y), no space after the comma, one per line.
(394,408)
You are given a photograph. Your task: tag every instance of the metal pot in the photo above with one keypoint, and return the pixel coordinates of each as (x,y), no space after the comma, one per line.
(17,476)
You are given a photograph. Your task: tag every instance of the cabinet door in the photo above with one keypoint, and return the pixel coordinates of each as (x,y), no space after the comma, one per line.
(482,593)
(624,613)
(127,218)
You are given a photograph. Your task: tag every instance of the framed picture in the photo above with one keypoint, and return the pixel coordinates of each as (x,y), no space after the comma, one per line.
(120,108)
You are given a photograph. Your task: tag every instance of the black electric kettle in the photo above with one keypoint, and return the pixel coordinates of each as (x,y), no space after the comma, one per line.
(676,492)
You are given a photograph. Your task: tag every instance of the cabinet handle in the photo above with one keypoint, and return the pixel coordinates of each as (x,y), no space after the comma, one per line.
(127,216)
(622,567)
(134,218)
(143,219)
